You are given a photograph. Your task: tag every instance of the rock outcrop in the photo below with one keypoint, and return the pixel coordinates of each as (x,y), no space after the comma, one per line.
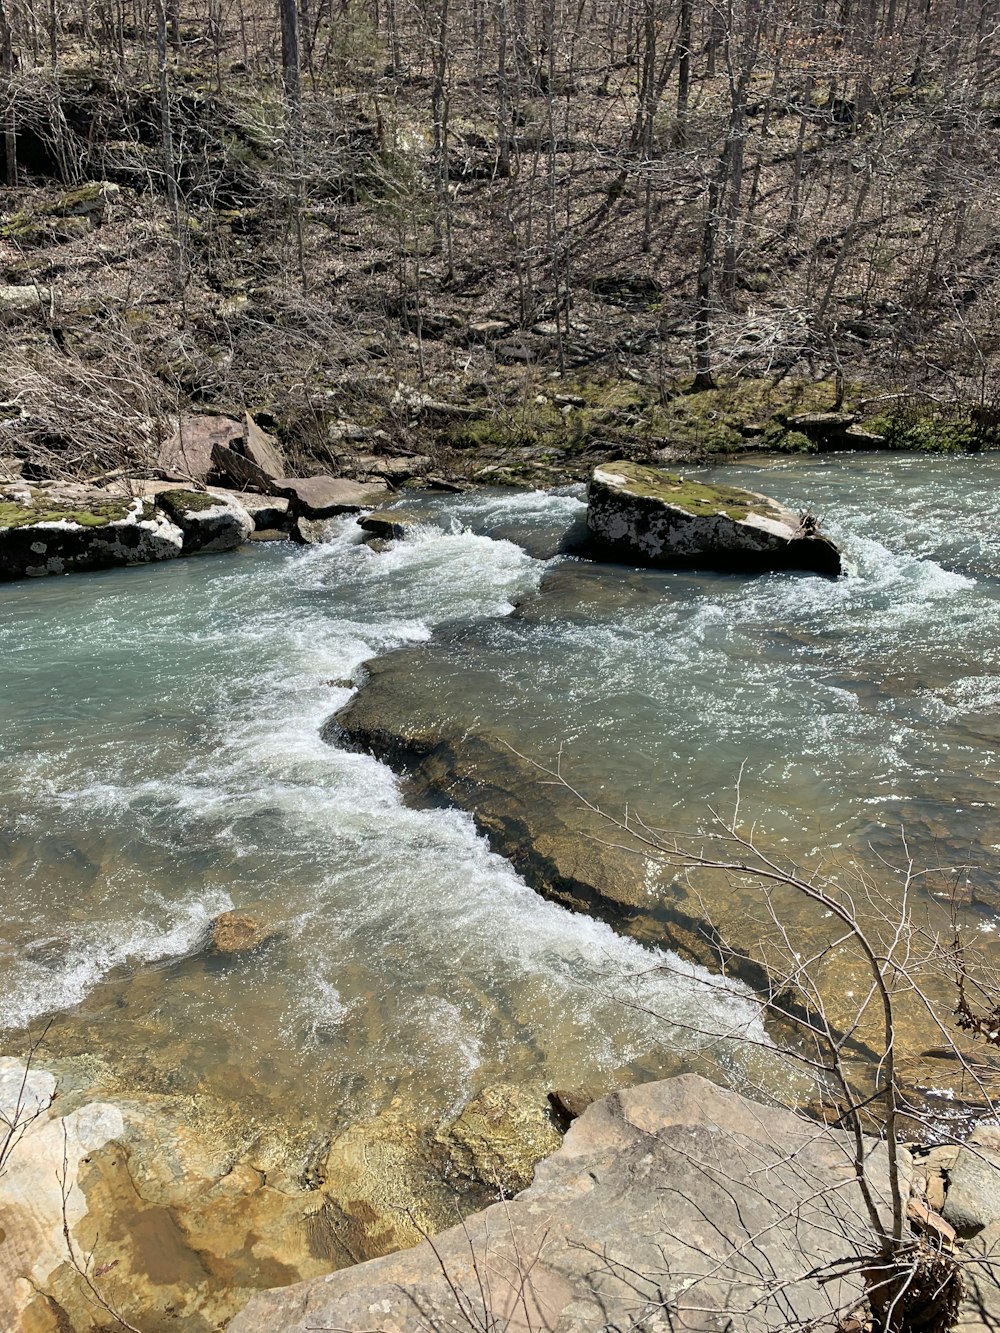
(672,1205)
(649,517)
(60,530)
(208,522)
(187,454)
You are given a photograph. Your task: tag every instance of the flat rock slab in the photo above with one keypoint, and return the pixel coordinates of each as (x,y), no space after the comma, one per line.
(323,496)
(672,1205)
(649,517)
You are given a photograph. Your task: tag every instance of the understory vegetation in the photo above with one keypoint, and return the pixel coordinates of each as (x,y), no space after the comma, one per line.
(517,232)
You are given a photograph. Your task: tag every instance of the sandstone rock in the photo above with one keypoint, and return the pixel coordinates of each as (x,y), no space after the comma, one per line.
(323,496)
(238,932)
(392,523)
(568,1104)
(271,534)
(263,450)
(59,531)
(235,469)
(187,455)
(488,330)
(207,522)
(677,1202)
(397,468)
(499,1138)
(642,515)
(973,1200)
(181,1228)
(314,531)
(980,1308)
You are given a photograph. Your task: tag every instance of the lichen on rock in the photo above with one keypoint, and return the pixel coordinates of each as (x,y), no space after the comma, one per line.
(650,517)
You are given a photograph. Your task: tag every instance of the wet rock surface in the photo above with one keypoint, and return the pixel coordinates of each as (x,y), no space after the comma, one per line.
(654,1209)
(180,1208)
(650,517)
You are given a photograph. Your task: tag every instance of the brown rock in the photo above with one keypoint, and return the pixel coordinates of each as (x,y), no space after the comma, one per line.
(238,932)
(234,468)
(390,523)
(263,450)
(936,1191)
(741,1205)
(569,1104)
(324,496)
(187,455)
(927,1222)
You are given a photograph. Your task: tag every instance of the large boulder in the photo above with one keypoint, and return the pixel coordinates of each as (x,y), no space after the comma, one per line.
(324,497)
(649,517)
(188,454)
(253,462)
(973,1202)
(675,1204)
(51,531)
(208,522)
(263,450)
(267,511)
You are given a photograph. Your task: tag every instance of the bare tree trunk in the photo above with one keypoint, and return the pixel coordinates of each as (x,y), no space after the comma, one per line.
(290,66)
(683,73)
(167,141)
(8,64)
(703,377)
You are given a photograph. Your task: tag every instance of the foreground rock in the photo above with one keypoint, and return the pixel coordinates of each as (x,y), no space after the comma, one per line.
(672,1205)
(187,1206)
(649,517)
(58,531)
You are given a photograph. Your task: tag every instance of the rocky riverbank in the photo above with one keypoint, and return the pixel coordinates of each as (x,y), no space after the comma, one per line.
(673,1199)
(185,1207)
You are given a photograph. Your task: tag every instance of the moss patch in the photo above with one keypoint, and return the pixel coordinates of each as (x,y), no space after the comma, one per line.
(187,502)
(694,497)
(14,515)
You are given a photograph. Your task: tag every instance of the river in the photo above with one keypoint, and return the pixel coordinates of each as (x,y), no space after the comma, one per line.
(162,761)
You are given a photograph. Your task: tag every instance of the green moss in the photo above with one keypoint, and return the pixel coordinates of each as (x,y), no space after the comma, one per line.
(695,497)
(186,502)
(13,515)
(925,432)
(785,441)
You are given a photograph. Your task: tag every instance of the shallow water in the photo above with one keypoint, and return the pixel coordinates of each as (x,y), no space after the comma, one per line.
(162,761)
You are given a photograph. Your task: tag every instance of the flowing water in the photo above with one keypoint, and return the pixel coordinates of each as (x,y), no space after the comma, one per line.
(161,761)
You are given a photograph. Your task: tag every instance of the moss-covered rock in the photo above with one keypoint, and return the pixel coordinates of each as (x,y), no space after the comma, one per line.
(649,517)
(52,531)
(208,522)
